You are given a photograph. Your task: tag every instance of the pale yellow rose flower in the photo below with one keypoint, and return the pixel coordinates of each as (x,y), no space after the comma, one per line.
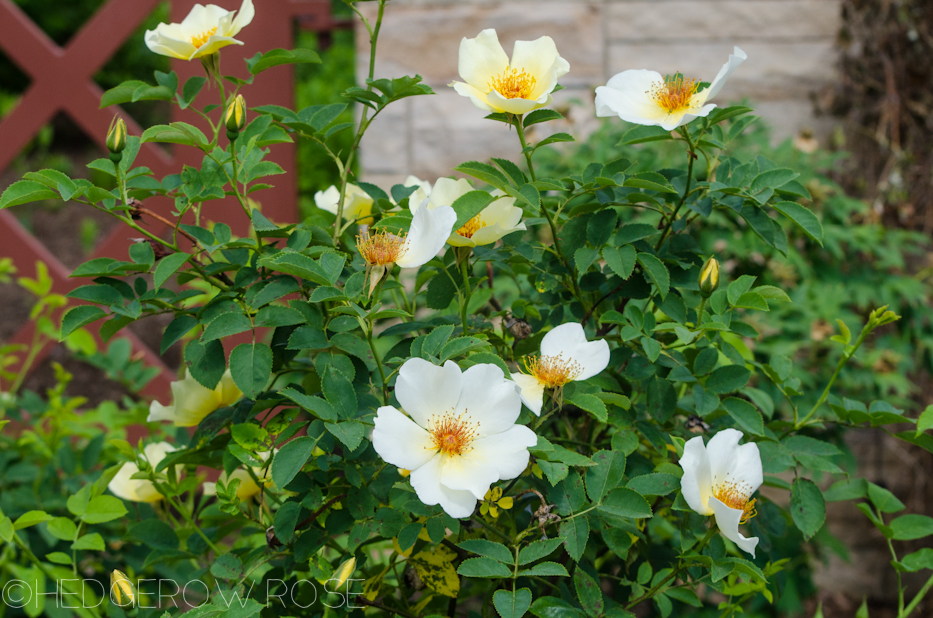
(203,32)
(499,219)
(191,402)
(496,84)
(139,490)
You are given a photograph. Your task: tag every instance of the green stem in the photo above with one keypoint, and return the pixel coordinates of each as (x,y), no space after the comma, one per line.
(916,600)
(700,312)
(491,529)
(657,587)
(364,121)
(382,372)
(517,123)
(34,348)
(691,156)
(842,361)
(468,292)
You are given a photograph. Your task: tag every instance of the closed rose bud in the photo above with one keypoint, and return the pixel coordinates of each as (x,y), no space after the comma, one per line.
(122,591)
(709,277)
(343,572)
(116,138)
(235,117)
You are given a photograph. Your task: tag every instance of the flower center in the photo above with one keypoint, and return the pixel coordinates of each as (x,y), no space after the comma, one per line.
(674,93)
(452,435)
(512,84)
(471,227)
(736,496)
(201,39)
(553,371)
(381,248)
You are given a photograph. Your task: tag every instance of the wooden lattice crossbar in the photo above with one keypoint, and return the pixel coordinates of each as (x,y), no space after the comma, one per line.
(62,81)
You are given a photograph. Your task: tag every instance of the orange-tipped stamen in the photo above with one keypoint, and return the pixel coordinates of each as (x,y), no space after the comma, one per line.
(674,93)
(736,496)
(512,84)
(452,435)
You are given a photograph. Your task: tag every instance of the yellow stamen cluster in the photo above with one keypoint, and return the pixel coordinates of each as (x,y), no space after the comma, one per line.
(381,248)
(471,227)
(736,496)
(674,93)
(512,84)
(201,39)
(452,435)
(553,371)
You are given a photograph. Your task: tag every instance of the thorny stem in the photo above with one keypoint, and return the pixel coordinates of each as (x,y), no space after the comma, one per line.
(382,371)
(465,268)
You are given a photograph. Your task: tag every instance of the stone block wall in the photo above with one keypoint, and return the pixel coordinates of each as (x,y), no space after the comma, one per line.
(790,47)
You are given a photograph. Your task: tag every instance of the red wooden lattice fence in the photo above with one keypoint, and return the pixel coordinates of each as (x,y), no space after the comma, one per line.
(62,81)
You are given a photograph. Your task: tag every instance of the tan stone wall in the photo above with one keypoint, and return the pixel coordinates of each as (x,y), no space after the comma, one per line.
(790,47)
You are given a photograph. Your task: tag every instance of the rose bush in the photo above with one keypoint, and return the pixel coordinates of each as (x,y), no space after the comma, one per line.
(502,424)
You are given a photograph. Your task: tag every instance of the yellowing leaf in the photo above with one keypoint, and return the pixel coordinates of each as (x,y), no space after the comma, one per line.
(436,569)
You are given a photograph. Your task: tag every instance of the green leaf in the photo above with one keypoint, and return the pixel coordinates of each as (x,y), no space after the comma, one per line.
(605,475)
(469,205)
(287,463)
(24,192)
(489,549)
(260,62)
(316,405)
(227,566)
(90,542)
(339,392)
(807,506)
(883,499)
(643,134)
(167,267)
(541,115)
(654,484)
(486,173)
(649,180)
(206,362)
(349,432)
(803,217)
(79,316)
(574,532)
(251,367)
(225,325)
(910,527)
(621,260)
(512,604)
(175,133)
(746,416)
(657,272)
(155,534)
(103,509)
(31,518)
(57,557)
(921,559)
(772,179)
(588,592)
(727,379)
(625,503)
(483,567)
(62,528)
(538,550)
(925,421)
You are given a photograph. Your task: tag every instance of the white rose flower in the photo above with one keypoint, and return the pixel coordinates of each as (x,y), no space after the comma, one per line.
(203,32)
(647,98)
(139,490)
(495,84)
(460,435)
(566,356)
(719,480)
(500,218)
(426,237)
(357,204)
(191,402)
